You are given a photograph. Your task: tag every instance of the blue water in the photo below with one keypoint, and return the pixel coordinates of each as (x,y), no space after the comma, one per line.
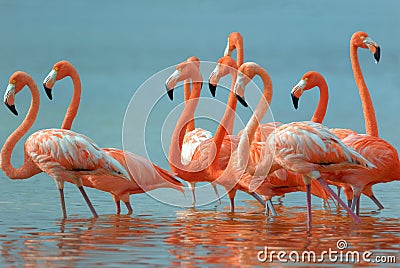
(116,46)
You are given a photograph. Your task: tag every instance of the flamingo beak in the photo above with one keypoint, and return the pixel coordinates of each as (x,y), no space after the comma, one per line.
(374,48)
(9,98)
(171,83)
(227,51)
(239,90)
(213,80)
(297,91)
(12,108)
(295,101)
(49,82)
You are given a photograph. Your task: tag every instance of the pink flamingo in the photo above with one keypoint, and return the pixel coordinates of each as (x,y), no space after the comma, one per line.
(305,148)
(358,40)
(314,79)
(193,137)
(63,154)
(144,175)
(235,41)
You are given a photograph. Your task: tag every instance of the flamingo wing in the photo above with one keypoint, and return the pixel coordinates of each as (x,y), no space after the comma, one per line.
(191,141)
(147,175)
(308,146)
(68,151)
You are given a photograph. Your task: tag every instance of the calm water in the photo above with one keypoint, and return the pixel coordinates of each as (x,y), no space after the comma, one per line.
(116,46)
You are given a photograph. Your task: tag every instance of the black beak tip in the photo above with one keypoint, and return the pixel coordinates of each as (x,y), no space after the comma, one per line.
(295,101)
(213,88)
(377,54)
(170,92)
(242,101)
(48,92)
(12,109)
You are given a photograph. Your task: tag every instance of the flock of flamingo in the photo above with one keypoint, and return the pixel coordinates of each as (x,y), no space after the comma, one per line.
(263,160)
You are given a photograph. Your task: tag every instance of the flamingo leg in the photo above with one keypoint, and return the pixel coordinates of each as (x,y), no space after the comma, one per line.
(266,210)
(309,216)
(349,203)
(118,206)
(62,200)
(338,190)
(358,207)
(271,207)
(332,193)
(129,207)
(232,199)
(88,201)
(258,198)
(192,185)
(216,192)
(354,203)
(376,201)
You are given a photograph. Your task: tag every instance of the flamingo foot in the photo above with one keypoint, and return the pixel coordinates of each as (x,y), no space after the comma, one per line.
(376,201)
(129,207)
(88,202)
(271,207)
(309,216)
(62,200)
(333,194)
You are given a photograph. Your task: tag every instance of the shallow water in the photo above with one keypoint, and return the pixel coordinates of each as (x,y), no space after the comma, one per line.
(116,46)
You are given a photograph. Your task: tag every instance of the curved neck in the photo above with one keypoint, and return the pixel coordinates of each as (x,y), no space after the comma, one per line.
(226,125)
(174,156)
(76,98)
(28,168)
(248,133)
(371,127)
(320,112)
(239,52)
(186,96)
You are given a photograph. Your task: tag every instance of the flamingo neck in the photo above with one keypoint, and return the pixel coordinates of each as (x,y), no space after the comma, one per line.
(76,98)
(186,96)
(179,131)
(28,168)
(251,127)
(320,112)
(239,52)
(226,125)
(371,127)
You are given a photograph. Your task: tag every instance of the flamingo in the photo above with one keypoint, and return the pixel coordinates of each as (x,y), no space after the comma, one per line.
(358,40)
(225,66)
(314,79)
(193,137)
(144,175)
(62,154)
(305,148)
(210,153)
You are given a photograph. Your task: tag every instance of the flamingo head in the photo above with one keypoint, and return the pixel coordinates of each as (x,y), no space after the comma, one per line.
(234,39)
(225,65)
(183,71)
(17,81)
(246,72)
(362,40)
(309,80)
(60,70)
